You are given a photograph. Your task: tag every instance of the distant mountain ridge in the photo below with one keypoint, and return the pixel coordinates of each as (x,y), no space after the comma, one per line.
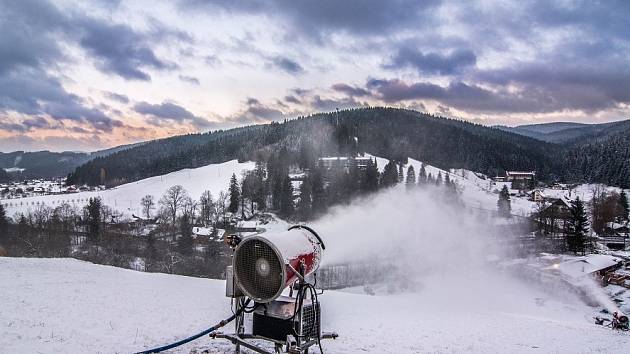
(568,132)
(562,151)
(47,164)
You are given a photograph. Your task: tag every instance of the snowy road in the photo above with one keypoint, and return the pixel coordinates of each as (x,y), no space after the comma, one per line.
(68,306)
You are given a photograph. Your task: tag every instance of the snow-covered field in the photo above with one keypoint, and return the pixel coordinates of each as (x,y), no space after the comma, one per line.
(126,198)
(476,192)
(69,306)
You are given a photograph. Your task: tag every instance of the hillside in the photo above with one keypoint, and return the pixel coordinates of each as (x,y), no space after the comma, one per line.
(387,132)
(46,164)
(82,312)
(41,164)
(604,160)
(125,199)
(568,133)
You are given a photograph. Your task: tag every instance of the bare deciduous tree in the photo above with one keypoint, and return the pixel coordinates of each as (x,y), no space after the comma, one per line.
(148,204)
(173,201)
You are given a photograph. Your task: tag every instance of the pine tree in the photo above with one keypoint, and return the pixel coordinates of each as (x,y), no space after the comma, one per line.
(504,204)
(305,203)
(235,194)
(422,175)
(185,241)
(260,192)
(401,175)
(438,180)
(94,216)
(3,218)
(411,177)
(389,177)
(319,194)
(577,227)
(370,177)
(286,198)
(623,200)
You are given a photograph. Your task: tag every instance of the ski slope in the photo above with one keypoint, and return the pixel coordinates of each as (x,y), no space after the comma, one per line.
(69,306)
(126,198)
(476,192)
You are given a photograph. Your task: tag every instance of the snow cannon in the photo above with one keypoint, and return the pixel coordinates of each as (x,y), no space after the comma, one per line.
(264,266)
(620,321)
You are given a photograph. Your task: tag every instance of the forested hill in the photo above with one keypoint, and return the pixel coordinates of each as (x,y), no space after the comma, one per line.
(603,159)
(568,133)
(388,132)
(40,164)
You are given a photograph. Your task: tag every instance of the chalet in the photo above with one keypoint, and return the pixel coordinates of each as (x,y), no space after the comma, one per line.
(342,162)
(594,264)
(614,229)
(553,218)
(521,179)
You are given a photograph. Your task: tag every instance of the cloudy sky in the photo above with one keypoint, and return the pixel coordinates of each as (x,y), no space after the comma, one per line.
(92,74)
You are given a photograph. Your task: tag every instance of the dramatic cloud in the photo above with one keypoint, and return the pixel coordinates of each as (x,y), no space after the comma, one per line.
(190,79)
(287,65)
(119,50)
(170,112)
(256,112)
(117,97)
(78,68)
(33,31)
(318,18)
(432,63)
(350,90)
(30,91)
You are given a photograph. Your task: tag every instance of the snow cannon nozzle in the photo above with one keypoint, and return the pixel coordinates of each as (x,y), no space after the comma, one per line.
(265,265)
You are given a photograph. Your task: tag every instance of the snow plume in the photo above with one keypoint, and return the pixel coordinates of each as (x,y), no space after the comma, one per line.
(398,224)
(417,243)
(595,292)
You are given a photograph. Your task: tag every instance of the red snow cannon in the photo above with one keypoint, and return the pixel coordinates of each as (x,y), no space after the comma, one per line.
(266,265)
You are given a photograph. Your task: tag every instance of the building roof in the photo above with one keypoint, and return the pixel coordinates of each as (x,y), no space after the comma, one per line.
(529,173)
(579,267)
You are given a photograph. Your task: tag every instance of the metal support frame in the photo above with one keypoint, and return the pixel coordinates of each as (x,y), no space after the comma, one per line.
(241,340)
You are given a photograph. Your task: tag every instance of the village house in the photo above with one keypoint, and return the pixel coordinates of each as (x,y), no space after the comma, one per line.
(342,162)
(521,179)
(552,222)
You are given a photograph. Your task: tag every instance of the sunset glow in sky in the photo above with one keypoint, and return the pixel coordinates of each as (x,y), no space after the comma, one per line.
(86,75)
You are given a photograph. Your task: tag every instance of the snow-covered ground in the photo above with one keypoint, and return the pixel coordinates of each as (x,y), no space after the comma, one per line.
(69,306)
(477,192)
(126,198)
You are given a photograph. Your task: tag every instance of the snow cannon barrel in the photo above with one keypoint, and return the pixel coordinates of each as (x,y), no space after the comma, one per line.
(266,265)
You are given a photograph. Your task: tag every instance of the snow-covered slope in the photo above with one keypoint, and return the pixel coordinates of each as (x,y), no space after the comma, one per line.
(476,192)
(126,198)
(68,306)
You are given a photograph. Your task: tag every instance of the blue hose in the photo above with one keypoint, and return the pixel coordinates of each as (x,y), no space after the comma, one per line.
(192,338)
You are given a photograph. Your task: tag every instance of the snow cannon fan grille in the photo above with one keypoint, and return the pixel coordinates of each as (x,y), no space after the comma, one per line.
(259,269)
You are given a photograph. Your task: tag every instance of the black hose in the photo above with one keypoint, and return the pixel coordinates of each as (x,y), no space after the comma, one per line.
(321,242)
(200,334)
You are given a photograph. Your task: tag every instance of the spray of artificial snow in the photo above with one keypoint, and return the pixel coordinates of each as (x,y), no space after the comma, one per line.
(446,253)
(594,291)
